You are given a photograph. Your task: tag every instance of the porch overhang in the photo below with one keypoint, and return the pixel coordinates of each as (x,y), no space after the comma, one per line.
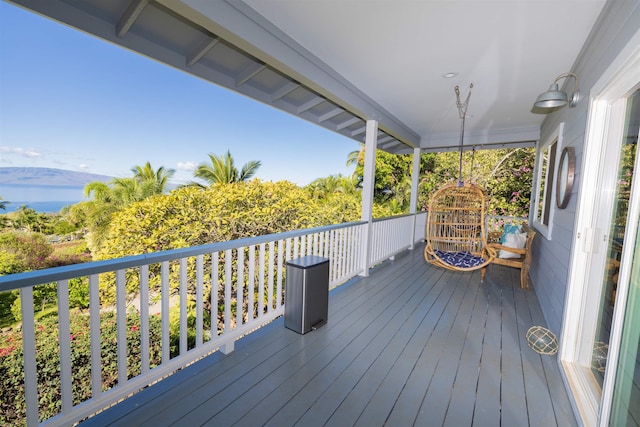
(231,44)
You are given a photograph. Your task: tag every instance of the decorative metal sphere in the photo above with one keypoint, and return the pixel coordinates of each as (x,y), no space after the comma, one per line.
(542,340)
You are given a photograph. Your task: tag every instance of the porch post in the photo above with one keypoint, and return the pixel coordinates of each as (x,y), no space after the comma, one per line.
(413,202)
(371,144)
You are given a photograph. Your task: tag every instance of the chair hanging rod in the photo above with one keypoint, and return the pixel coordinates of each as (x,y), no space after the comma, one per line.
(462,112)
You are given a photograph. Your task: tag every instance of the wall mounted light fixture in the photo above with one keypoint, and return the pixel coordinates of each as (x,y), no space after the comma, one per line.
(555,97)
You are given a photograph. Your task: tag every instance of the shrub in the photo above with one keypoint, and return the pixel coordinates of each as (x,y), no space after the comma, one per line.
(12,403)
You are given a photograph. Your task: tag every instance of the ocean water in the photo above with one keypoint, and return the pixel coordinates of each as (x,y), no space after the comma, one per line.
(41,207)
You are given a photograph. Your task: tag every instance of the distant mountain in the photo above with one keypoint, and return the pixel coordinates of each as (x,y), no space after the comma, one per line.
(48,177)
(27,186)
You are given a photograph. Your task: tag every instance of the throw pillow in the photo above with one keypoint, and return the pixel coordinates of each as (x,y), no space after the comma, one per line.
(509,229)
(513,240)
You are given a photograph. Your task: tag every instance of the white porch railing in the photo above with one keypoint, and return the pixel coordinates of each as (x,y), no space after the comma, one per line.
(219,292)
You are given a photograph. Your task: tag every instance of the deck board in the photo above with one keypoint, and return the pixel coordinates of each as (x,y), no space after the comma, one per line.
(411,344)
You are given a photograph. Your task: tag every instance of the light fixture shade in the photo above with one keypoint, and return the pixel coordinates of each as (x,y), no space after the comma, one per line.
(552,98)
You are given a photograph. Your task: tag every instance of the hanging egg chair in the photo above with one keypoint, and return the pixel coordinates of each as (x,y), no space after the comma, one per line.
(455,236)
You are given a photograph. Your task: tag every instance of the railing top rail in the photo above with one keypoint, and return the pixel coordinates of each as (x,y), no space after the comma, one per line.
(32,278)
(387,218)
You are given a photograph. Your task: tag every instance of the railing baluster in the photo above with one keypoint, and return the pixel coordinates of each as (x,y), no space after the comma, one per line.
(288,250)
(252,275)
(228,347)
(94,328)
(183,307)
(144,318)
(270,280)
(166,346)
(29,351)
(240,288)
(215,287)
(199,299)
(121,322)
(332,260)
(64,340)
(227,290)
(279,276)
(261,282)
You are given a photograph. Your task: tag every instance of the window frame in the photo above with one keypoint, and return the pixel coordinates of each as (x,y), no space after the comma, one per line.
(544,196)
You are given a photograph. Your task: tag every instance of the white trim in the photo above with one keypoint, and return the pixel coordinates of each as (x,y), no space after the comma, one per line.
(555,138)
(368,184)
(616,83)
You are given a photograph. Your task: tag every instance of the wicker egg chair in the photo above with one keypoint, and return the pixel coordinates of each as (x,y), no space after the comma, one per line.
(455,236)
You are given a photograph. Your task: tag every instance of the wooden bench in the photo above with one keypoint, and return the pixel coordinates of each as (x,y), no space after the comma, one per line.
(523,262)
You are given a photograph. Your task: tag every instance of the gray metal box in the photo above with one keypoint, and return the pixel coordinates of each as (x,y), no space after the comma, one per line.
(306,297)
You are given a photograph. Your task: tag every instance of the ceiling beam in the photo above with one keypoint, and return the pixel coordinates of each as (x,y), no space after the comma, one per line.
(129,17)
(202,49)
(310,104)
(284,90)
(348,123)
(359,131)
(248,73)
(330,114)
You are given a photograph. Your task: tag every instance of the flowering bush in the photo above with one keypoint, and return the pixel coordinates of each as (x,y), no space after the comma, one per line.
(12,402)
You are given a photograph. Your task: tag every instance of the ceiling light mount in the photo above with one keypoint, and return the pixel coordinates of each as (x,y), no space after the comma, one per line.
(555,98)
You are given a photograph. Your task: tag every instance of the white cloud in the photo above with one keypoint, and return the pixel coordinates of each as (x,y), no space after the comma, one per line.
(187,166)
(24,152)
(83,167)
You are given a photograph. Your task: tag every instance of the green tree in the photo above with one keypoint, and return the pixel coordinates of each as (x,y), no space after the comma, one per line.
(109,198)
(160,177)
(323,188)
(222,170)
(26,219)
(3,204)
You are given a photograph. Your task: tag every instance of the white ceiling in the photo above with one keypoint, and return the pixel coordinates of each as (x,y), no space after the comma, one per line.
(338,63)
(396,51)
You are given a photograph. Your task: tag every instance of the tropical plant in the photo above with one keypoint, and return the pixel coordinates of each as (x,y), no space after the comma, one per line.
(3,204)
(323,188)
(108,198)
(160,177)
(222,170)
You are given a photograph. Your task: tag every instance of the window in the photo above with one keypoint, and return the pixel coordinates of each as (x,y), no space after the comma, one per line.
(545,180)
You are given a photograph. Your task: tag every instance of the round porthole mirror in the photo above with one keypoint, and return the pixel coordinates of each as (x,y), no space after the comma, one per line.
(566,172)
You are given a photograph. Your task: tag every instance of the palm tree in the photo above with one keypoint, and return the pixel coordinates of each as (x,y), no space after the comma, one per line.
(354,156)
(160,177)
(221,170)
(323,188)
(3,204)
(109,198)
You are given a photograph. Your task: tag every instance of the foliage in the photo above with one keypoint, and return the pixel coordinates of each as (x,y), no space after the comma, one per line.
(222,170)
(30,249)
(505,174)
(12,403)
(21,252)
(190,217)
(107,199)
(160,177)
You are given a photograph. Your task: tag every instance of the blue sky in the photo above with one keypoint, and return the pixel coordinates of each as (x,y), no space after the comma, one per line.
(72,101)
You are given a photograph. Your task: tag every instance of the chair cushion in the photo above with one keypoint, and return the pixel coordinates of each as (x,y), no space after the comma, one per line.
(462,259)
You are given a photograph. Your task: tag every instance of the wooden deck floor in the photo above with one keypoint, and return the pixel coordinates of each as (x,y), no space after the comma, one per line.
(409,345)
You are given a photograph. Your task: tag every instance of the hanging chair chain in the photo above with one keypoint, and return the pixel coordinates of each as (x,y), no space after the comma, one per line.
(462,112)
